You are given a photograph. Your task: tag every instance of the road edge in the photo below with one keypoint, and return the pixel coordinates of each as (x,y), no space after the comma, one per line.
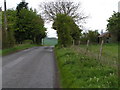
(57,75)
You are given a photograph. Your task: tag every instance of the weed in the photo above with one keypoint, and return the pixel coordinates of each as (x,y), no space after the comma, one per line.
(80,71)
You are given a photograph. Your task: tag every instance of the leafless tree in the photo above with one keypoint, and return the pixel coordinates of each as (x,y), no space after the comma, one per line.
(51,9)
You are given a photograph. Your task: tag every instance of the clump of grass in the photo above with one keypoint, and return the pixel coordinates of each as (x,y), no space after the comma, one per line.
(79,71)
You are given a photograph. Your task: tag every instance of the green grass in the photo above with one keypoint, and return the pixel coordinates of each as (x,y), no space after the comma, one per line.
(50,41)
(109,53)
(108,49)
(78,70)
(16,48)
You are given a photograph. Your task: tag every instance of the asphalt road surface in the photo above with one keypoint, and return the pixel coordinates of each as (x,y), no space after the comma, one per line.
(30,68)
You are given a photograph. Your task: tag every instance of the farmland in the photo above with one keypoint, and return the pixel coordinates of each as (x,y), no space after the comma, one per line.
(50,41)
(109,53)
(80,70)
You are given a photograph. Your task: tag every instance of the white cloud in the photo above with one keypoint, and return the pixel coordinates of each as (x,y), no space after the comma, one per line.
(50,32)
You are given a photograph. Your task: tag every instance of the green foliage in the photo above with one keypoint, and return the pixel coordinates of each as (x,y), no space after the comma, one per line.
(16,48)
(67,30)
(11,26)
(63,30)
(91,35)
(4,39)
(27,42)
(8,39)
(80,71)
(113,26)
(83,38)
(22,24)
(75,31)
(29,25)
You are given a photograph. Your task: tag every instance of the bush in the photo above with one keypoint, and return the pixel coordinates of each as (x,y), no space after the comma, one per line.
(63,30)
(67,30)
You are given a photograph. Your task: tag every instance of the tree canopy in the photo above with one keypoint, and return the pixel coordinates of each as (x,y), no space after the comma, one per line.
(67,30)
(29,25)
(51,9)
(113,26)
(8,39)
(90,35)
(22,24)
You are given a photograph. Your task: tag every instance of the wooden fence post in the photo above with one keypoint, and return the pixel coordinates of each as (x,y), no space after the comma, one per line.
(87,46)
(101,47)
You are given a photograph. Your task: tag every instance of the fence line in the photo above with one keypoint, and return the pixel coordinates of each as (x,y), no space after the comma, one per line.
(97,54)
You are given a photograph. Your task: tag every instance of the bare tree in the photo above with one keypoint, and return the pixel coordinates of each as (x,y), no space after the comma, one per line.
(51,9)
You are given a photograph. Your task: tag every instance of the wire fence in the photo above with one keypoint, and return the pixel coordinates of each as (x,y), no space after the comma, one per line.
(100,52)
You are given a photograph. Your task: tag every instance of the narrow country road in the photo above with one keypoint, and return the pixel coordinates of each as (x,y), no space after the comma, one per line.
(30,68)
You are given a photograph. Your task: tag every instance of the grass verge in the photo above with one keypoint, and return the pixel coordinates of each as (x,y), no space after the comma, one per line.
(81,71)
(16,48)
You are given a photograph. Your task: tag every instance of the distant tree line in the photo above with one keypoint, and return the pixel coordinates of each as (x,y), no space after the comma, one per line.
(22,24)
(91,35)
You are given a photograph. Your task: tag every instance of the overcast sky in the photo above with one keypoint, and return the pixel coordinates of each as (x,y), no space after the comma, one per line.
(98,10)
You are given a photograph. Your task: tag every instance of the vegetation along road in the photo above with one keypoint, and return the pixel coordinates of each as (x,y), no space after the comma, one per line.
(30,68)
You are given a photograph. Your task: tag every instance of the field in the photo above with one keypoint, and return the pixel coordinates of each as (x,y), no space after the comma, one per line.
(109,53)
(80,70)
(50,41)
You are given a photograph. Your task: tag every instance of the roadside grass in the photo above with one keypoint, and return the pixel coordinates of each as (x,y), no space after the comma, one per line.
(16,48)
(78,70)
